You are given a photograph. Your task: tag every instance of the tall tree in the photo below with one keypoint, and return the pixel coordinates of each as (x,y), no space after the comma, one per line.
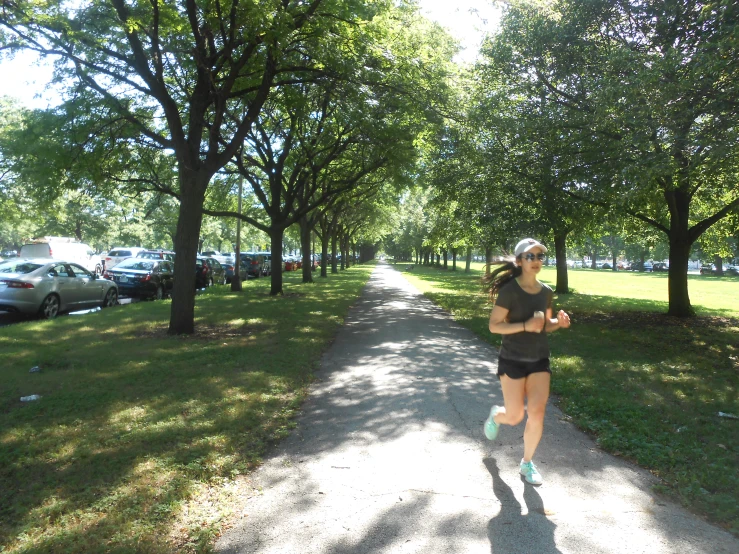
(190,78)
(650,88)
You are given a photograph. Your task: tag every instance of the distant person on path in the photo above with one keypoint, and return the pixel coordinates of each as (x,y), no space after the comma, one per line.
(523,315)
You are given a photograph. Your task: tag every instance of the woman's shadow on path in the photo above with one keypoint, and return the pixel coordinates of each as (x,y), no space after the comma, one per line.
(511,532)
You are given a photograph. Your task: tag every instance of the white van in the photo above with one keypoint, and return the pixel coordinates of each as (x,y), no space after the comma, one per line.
(63,248)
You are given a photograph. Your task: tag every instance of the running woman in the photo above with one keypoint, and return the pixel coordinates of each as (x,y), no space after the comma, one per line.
(523,315)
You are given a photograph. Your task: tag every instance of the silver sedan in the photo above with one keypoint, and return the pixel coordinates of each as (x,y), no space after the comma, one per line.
(46,287)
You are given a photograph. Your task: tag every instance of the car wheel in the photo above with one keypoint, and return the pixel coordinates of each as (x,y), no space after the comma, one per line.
(111,299)
(49,307)
(223,281)
(159,293)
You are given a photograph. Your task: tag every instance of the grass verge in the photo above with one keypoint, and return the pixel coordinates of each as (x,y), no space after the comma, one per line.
(647,386)
(140,438)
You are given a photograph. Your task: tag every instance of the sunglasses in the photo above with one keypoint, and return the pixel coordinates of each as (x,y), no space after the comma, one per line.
(531,257)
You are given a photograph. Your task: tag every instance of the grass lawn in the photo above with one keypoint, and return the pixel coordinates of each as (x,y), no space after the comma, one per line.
(647,386)
(139,439)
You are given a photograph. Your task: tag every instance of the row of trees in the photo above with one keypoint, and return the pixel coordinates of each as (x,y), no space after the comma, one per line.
(422,234)
(582,119)
(597,117)
(316,104)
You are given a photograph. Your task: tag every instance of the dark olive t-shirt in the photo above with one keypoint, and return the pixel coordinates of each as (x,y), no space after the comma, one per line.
(521,305)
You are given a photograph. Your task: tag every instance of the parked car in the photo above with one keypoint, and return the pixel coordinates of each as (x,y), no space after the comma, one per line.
(316,261)
(203,273)
(63,248)
(156,255)
(710,269)
(291,263)
(118,254)
(266,262)
(255,263)
(228,269)
(48,287)
(637,266)
(661,266)
(143,278)
(9,254)
(218,273)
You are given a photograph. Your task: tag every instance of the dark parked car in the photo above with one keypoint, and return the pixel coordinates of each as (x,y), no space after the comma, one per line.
(143,278)
(660,266)
(637,266)
(266,262)
(254,263)
(228,269)
(218,273)
(203,273)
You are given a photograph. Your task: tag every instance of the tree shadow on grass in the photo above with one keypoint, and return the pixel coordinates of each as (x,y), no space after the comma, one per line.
(131,418)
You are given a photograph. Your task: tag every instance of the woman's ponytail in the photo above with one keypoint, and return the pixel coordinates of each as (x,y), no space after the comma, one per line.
(507,271)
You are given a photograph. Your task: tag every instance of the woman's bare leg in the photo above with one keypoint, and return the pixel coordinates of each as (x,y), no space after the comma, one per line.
(537,394)
(513,395)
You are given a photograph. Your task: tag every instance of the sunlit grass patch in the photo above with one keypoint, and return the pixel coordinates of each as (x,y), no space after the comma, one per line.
(138,432)
(647,386)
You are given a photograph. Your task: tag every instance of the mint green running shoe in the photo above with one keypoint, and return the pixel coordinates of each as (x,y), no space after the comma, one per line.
(491,428)
(530,473)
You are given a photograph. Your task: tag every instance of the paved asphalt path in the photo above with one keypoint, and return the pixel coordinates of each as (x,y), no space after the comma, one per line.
(389,457)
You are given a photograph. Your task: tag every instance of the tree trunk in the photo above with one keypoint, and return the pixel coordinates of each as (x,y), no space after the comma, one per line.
(438,259)
(719,263)
(468,260)
(343,249)
(488,258)
(324,254)
(560,251)
(680,243)
(334,262)
(446,255)
(189,220)
(677,285)
(594,259)
(454,259)
(305,232)
(276,236)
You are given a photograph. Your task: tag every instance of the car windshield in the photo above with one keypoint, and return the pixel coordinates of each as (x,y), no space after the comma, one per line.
(133,263)
(18,267)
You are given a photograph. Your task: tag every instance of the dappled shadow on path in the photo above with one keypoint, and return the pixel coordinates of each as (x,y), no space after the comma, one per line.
(387,453)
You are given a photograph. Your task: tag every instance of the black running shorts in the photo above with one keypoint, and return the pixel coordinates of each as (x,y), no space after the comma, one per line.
(520,370)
